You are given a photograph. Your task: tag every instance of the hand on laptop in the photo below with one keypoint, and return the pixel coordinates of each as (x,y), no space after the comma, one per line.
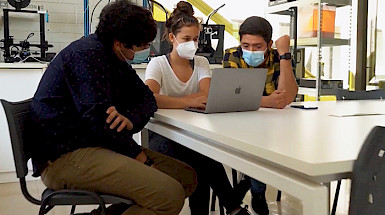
(116,119)
(276,99)
(197,102)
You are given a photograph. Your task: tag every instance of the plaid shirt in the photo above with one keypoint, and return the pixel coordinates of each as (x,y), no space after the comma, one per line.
(233,59)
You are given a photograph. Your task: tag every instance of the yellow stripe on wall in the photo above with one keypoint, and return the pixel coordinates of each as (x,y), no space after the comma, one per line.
(159,14)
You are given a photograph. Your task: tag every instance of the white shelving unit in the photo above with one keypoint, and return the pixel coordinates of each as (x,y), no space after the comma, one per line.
(282,8)
(312,41)
(319,41)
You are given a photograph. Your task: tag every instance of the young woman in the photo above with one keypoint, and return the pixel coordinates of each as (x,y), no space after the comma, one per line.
(178,80)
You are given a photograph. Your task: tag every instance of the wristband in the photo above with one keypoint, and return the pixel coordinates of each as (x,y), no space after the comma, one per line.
(286,56)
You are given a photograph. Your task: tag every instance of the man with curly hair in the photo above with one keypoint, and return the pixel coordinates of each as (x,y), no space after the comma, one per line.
(88,105)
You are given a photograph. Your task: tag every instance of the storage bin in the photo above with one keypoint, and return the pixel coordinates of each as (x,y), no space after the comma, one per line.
(308,21)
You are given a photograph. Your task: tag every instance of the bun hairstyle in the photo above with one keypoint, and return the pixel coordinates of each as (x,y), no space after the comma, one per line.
(183,15)
(184,8)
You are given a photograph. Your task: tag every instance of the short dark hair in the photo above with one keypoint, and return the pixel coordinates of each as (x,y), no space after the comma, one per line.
(256,25)
(126,22)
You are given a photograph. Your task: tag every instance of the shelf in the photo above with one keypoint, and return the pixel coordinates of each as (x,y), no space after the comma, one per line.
(283,8)
(307,91)
(325,42)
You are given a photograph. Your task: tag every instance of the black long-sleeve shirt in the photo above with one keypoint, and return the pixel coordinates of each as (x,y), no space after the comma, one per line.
(70,104)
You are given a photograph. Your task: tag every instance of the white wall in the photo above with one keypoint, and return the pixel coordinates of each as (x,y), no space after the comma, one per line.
(380,62)
(65,22)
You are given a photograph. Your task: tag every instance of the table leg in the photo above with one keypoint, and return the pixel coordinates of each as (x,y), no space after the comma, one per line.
(144,137)
(317,202)
(314,195)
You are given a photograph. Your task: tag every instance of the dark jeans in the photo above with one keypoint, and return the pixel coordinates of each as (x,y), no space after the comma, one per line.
(256,187)
(210,173)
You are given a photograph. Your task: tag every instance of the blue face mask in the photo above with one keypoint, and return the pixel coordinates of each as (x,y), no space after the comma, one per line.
(253,58)
(139,57)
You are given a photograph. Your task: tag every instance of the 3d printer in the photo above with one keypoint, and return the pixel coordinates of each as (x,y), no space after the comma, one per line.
(205,46)
(208,33)
(23,51)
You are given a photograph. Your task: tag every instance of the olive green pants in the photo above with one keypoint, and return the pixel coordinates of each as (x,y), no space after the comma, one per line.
(160,190)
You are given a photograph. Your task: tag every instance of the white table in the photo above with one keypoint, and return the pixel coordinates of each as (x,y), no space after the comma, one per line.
(297,151)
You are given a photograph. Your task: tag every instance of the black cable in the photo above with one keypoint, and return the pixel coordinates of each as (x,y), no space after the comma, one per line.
(17,49)
(160,5)
(93,10)
(212,13)
(149,5)
(29,36)
(16,53)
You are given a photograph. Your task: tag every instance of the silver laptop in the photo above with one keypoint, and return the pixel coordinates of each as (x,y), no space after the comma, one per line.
(234,90)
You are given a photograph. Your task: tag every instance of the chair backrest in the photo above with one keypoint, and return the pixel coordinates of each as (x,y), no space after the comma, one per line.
(368,179)
(18,116)
(342,94)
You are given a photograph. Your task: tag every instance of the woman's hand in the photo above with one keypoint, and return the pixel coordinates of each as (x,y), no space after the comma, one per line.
(197,102)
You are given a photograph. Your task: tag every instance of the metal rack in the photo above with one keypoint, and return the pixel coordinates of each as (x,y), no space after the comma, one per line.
(319,41)
(282,8)
(8,40)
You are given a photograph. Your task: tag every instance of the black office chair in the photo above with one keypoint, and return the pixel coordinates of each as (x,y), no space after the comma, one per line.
(368,179)
(18,116)
(342,94)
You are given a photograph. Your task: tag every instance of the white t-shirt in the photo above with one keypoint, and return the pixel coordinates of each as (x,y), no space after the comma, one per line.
(159,69)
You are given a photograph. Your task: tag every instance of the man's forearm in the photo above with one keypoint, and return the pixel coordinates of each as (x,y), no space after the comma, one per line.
(287,81)
(140,114)
(265,102)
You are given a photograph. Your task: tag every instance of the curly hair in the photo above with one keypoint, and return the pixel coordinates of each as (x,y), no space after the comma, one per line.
(126,22)
(256,25)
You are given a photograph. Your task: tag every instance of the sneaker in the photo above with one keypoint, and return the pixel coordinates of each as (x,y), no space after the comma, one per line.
(259,204)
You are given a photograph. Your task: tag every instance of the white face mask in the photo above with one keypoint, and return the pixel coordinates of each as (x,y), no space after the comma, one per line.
(187,49)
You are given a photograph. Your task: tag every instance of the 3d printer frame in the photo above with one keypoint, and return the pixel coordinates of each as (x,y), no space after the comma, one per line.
(8,40)
(205,47)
